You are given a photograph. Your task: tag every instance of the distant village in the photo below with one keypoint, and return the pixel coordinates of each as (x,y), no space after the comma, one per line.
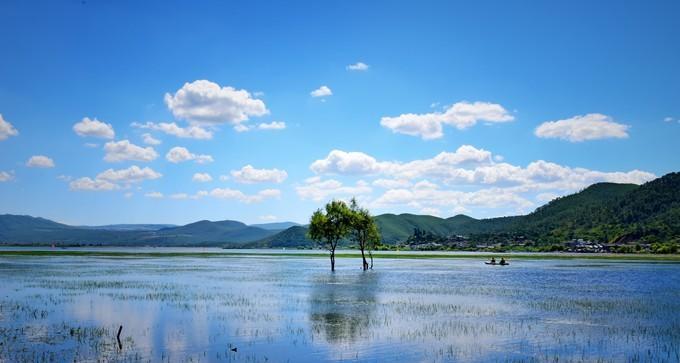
(427,241)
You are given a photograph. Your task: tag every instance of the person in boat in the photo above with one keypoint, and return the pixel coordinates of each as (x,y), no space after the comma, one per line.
(493,260)
(503,261)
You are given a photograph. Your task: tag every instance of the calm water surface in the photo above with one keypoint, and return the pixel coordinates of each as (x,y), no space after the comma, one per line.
(286,309)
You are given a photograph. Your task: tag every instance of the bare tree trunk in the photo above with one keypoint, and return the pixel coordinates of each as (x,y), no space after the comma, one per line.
(370,254)
(333,260)
(363,258)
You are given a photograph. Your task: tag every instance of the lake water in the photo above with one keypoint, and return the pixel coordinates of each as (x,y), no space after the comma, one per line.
(293,309)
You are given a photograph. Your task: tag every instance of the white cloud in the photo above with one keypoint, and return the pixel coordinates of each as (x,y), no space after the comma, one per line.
(343,162)
(206,102)
(92,185)
(128,195)
(249,175)
(466,179)
(94,127)
(420,198)
(227,193)
(202,177)
(358,66)
(117,151)
(6,129)
(241,128)
(358,163)
(111,179)
(133,174)
(65,178)
(171,128)
(268,218)
(461,115)
(316,189)
(593,126)
(666,119)
(224,177)
(179,196)
(180,154)
(322,91)
(6,176)
(274,125)
(155,195)
(40,161)
(546,197)
(150,140)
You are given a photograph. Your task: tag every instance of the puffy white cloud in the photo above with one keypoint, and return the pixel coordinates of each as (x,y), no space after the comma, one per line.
(150,140)
(6,129)
(316,189)
(322,91)
(133,174)
(343,162)
(117,151)
(227,193)
(666,119)
(358,66)
(40,161)
(180,154)
(466,179)
(471,166)
(430,197)
(202,177)
(274,125)
(155,195)
(249,175)
(89,184)
(207,102)
(358,163)
(461,115)
(593,126)
(111,179)
(171,128)
(96,128)
(6,176)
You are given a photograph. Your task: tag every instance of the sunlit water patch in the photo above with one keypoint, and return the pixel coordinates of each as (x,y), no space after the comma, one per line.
(292,309)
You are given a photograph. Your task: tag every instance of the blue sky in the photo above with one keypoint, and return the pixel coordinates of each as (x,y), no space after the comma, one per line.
(482,108)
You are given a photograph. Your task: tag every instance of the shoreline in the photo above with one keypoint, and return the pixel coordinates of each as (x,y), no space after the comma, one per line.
(341,254)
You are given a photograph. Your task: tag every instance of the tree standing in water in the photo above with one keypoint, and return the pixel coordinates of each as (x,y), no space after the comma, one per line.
(328,227)
(364,231)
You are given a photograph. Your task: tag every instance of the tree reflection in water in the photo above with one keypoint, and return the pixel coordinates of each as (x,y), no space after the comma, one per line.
(342,306)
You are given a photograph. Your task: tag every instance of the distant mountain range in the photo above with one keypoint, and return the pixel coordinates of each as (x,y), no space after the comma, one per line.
(16,229)
(604,212)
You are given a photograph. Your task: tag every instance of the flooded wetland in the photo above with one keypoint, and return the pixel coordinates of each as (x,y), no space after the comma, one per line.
(293,309)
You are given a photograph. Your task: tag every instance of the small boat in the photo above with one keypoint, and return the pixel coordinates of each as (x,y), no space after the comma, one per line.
(497,263)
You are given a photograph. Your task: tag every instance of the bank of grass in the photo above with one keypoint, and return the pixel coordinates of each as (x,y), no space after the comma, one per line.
(323,254)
